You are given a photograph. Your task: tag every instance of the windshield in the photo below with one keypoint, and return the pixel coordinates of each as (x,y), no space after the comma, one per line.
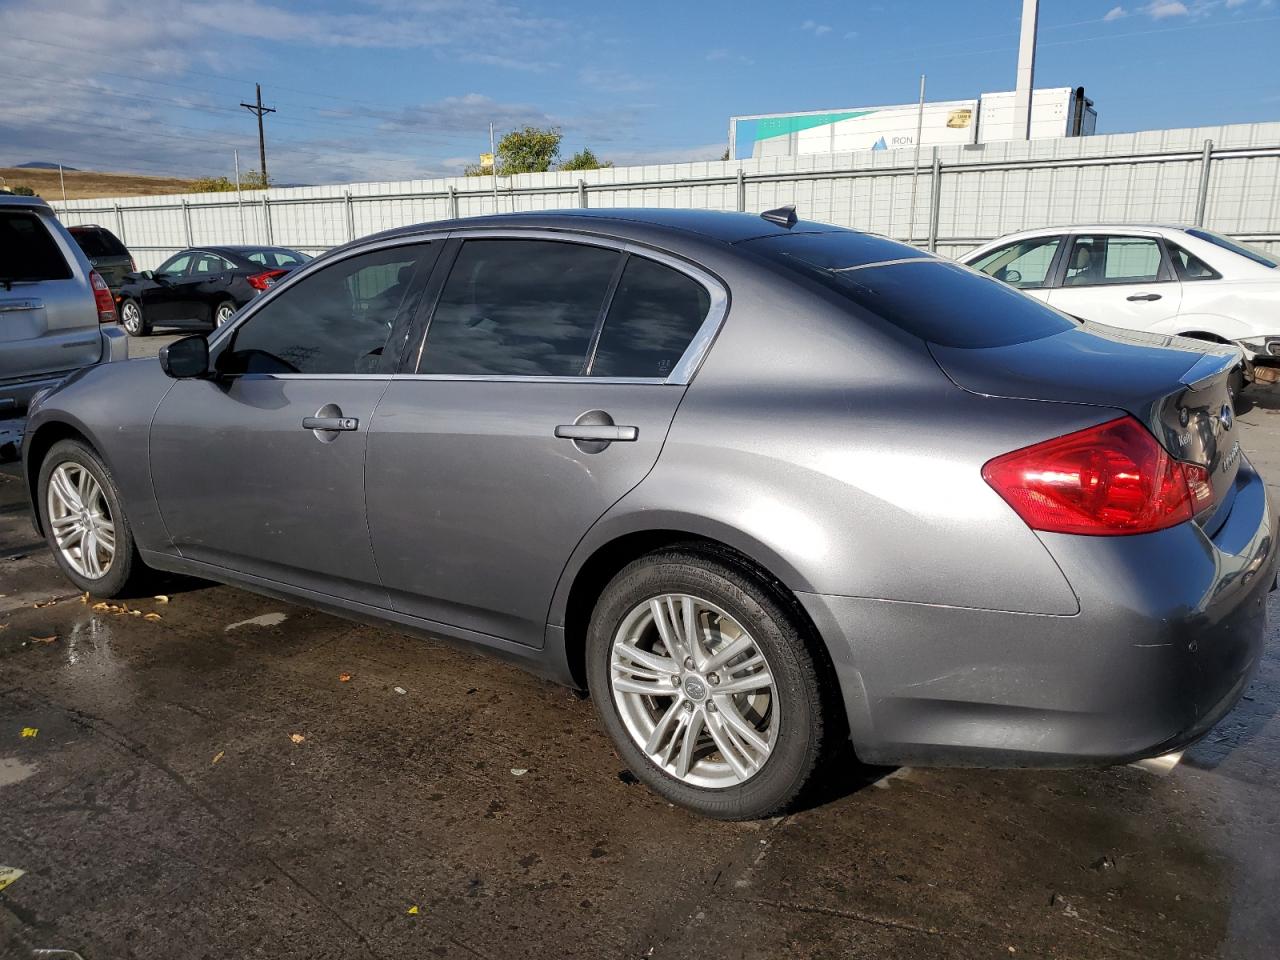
(1256,254)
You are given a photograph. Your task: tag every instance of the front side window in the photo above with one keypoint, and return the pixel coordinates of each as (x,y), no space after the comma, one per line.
(519,308)
(654,315)
(1024,264)
(175,266)
(1101,260)
(336,321)
(28,254)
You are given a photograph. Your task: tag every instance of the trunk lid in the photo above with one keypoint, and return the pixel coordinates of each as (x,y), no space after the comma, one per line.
(1176,387)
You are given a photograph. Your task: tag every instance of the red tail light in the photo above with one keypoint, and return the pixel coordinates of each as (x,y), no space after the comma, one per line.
(263,281)
(102,296)
(1108,480)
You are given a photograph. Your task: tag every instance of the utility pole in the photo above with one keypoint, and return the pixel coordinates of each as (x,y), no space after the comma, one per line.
(261,111)
(1023,92)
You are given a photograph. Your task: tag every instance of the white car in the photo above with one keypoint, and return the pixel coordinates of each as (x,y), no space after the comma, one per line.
(1170,280)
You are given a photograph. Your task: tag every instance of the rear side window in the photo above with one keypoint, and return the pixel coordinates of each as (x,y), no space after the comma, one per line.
(654,315)
(99,242)
(27,252)
(1188,266)
(947,304)
(519,308)
(1099,260)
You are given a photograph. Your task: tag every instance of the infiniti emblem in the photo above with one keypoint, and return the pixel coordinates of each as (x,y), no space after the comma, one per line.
(1226,416)
(694,688)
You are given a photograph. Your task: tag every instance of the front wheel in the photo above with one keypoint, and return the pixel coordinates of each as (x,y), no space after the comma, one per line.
(131,319)
(84,521)
(704,679)
(223,313)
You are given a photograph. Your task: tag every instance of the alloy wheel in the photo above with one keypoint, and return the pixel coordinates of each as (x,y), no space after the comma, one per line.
(131,317)
(80,518)
(694,691)
(225,313)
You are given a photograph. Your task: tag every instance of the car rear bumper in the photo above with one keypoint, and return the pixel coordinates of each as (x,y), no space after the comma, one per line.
(1170,631)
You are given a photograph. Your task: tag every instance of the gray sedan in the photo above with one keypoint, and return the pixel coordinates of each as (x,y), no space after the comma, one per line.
(764,487)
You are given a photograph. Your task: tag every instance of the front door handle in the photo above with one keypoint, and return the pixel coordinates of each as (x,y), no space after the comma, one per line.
(1144,296)
(602,433)
(330,423)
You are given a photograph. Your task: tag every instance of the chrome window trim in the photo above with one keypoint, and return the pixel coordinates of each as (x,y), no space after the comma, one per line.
(454,377)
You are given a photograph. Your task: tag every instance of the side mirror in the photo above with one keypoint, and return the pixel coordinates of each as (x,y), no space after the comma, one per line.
(149,274)
(186,358)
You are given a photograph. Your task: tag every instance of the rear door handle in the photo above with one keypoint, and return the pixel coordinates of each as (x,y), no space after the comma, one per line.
(1144,296)
(330,423)
(603,433)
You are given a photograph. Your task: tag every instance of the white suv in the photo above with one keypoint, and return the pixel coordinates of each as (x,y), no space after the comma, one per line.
(1171,280)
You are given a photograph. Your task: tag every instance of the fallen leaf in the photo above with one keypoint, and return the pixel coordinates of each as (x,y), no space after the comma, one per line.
(48,603)
(101,605)
(518,771)
(84,598)
(152,616)
(8,875)
(218,756)
(135,613)
(296,737)
(400,690)
(30,731)
(44,639)
(412,911)
(344,678)
(161,598)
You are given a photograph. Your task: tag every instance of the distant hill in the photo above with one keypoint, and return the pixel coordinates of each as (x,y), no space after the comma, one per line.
(87,184)
(41,165)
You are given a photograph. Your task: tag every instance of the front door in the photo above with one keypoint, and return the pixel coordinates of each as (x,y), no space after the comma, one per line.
(544,391)
(260,469)
(163,298)
(1122,281)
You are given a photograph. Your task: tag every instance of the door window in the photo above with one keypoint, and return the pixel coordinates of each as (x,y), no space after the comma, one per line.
(336,321)
(1024,264)
(208,263)
(519,308)
(654,315)
(175,266)
(28,253)
(1188,266)
(1098,260)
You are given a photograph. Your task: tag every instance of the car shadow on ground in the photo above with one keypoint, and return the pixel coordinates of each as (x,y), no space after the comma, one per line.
(1265,398)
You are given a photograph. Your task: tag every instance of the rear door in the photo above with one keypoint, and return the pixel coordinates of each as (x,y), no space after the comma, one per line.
(541,393)
(211,285)
(1121,280)
(48,318)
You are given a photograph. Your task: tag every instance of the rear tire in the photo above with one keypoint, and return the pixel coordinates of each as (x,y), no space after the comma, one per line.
(223,313)
(84,522)
(132,320)
(649,694)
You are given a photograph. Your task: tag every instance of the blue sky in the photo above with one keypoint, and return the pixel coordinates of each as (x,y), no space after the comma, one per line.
(389,89)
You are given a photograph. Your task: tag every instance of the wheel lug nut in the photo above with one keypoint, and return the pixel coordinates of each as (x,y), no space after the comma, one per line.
(711,706)
(713,679)
(688,706)
(675,679)
(688,663)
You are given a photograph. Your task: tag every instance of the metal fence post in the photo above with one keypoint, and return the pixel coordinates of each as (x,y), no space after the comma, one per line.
(742,192)
(453,201)
(935,196)
(120,224)
(186,216)
(1202,195)
(582,194)
(351,216)
(266,219)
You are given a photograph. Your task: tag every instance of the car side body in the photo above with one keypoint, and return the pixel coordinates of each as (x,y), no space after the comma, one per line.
(189,288)
(837,457)
(1185,281)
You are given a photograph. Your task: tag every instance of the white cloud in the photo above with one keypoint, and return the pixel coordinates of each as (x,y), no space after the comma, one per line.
(1163,9)
(1115,13)
(851,35)
(614,81)
(817,29)
(1232,4)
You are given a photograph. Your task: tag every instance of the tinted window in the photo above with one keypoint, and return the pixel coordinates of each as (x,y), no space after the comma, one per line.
(519,308)
(1188,266)
(275,258)
(208,263)
(335,321)
(175,265)
(27,252)
(99,242)
(1235,246)
(947,304)
(1095,260)
(1023,264)
(831,251)
(653,317)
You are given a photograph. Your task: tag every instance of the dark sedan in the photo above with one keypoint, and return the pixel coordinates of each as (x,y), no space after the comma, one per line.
(201,287)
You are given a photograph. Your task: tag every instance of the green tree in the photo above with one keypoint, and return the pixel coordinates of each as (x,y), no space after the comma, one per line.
(585,159)
(22,190)
(527,150)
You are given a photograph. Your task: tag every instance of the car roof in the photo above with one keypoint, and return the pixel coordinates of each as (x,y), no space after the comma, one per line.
(13,200)
(711,224)
(1098,228)
(242,248)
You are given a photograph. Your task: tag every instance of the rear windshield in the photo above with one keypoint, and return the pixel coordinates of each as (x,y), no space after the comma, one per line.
(27,252)
(831,251)
(98,242)
(1235,246)
(270,257)
(945,303)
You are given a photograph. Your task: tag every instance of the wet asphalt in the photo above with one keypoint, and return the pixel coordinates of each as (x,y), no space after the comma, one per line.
(246,778)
